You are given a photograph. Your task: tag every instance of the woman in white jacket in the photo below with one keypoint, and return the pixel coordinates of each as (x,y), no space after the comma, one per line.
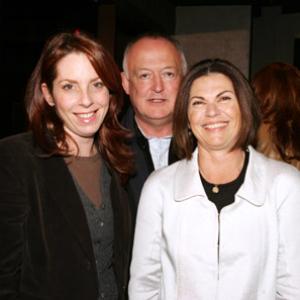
(224,222)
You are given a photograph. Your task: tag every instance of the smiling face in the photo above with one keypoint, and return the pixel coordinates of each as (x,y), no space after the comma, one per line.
(151,79)
(213,112)
(79,96)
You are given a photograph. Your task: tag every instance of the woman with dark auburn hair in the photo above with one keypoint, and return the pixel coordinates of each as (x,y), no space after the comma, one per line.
(223,222)
(64,215)
(277,87)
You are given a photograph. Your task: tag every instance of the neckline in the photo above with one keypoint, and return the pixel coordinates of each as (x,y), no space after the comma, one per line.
(73,158)
(217,188)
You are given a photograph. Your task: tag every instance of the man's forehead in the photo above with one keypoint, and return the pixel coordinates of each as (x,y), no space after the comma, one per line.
(153,68)
(154,58)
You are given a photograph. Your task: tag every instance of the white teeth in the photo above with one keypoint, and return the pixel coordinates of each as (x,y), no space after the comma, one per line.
(85,115)
(157,100)
(212,126)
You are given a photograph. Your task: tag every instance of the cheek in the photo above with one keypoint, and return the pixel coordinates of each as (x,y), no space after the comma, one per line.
(236,114)
(233,110)
(193,119)
(172,86)
(64,100)
(139,88)
(63,104)
(102,98)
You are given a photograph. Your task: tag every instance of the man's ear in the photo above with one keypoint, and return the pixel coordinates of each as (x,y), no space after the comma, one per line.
(125,82)
(47,95)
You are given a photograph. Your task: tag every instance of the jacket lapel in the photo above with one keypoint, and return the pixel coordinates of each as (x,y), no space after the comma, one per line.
(187,176)
(62,190)
(253,189)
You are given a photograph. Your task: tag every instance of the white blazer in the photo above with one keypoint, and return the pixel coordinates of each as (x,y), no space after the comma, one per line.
(185,250)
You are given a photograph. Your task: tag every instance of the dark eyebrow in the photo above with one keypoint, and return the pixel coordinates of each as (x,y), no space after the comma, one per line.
(218,95)
(75,81)
(223,92)
(96,79)
(68,80)
(197,97)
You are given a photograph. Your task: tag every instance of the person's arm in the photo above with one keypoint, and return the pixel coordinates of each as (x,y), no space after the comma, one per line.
(13,212)
(288,270)
(145,270)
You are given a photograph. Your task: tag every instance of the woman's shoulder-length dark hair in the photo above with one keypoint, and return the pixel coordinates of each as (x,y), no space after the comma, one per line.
(250,114)
(44,122)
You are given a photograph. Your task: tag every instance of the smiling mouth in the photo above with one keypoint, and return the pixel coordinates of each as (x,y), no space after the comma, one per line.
(86,115)
(157,100)
(215,125)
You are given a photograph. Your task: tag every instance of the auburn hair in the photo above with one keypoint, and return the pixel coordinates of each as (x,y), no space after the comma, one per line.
(277,87)
(46,125)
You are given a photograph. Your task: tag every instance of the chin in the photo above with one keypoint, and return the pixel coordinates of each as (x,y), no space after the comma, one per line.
(160,115)
(88,133)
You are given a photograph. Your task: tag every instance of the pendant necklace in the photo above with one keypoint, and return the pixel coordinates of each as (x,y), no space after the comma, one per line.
(215,189)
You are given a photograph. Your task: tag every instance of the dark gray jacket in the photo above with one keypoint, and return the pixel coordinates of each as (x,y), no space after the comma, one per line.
(143,161)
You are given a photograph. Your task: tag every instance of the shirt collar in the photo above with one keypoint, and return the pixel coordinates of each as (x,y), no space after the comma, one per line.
(252,190)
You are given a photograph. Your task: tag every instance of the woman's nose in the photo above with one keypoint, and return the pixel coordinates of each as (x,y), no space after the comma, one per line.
(85,98)
(212,109)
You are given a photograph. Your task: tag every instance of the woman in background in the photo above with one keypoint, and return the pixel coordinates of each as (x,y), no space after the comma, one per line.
(277,87)
(222,223)
(64,216)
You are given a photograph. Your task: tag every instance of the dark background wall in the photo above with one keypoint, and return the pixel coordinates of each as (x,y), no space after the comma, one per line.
(275,36)
(273,30)
(211,31)
(25,25)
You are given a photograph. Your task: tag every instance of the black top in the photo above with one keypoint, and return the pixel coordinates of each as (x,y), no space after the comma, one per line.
(225,193)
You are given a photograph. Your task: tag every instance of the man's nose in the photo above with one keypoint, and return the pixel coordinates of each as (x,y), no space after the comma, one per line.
(158,84)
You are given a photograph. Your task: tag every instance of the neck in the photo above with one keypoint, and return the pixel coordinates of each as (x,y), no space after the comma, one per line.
(154,130)
(214,165)
(84,147)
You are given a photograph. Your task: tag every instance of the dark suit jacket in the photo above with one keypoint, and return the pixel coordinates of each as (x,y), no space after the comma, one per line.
(45,245)
(143,161)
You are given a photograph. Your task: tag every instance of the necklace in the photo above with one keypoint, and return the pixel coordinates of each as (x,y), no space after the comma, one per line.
(215,189)
(218,189)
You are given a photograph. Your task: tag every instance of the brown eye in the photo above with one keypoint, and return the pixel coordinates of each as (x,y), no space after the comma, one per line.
(169,75)
(67,86)
(197,102)
(98,84)
(225,98)
(144,76)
